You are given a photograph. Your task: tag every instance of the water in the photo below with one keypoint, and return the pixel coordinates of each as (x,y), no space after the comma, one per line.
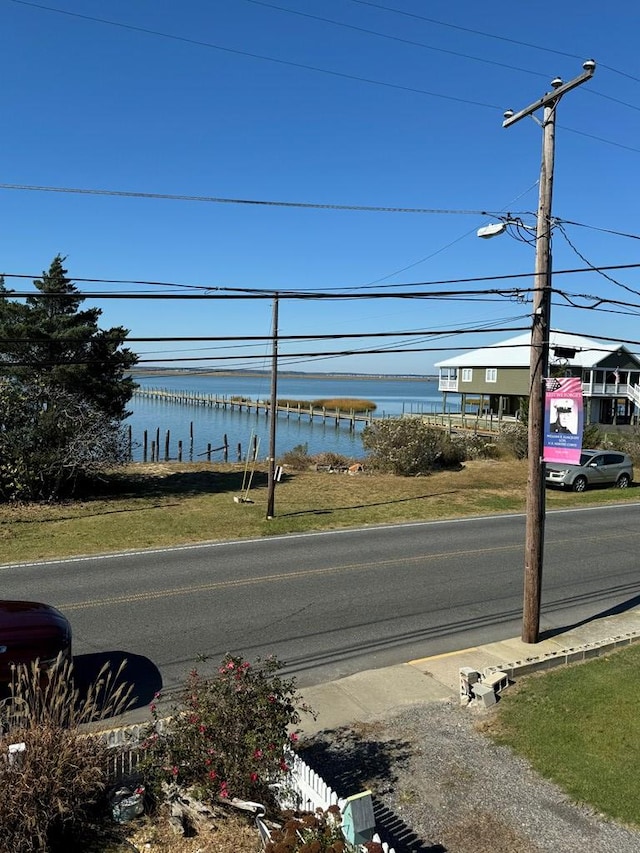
(393,397)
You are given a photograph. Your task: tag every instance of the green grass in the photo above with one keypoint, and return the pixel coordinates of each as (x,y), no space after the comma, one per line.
(159,505)
(580,727)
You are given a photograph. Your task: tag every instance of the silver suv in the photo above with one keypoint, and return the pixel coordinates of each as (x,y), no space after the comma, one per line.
(596,468)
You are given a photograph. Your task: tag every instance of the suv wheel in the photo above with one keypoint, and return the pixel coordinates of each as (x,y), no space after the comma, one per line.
(579,484)
(623,481)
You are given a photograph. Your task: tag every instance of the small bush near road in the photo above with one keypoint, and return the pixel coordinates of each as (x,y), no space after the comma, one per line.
(513,440)
(407,446)
(229,735)
(299,459)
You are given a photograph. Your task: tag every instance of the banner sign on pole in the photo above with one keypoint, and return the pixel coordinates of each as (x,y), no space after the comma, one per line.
(563,420)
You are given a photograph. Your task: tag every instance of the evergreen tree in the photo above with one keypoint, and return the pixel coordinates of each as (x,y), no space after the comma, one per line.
(64,389)
(49,339)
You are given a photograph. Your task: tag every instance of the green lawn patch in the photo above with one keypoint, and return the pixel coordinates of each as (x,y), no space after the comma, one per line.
(580,727)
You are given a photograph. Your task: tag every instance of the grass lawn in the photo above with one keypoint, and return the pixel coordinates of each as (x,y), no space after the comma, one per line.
(580,727)
(164,504)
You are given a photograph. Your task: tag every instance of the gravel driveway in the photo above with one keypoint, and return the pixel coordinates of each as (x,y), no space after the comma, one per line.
(441,785)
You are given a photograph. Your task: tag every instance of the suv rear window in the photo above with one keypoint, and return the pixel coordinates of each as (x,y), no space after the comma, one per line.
(613,459)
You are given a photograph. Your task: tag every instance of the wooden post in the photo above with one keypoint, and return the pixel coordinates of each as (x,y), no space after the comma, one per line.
(145,439)
(191,441)
(180,451)
(209,451)
(166,447)
(239,452)
(226,448)
(157,444)
(153,451)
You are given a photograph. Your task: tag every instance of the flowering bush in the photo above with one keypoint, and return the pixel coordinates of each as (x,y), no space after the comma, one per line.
(230,734)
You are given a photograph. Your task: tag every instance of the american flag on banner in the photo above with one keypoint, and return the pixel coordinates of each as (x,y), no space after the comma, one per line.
(564,419)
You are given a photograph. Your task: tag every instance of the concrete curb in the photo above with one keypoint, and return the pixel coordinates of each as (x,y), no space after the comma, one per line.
(576,654)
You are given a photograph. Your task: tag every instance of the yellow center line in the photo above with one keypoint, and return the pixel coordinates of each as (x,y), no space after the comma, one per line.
(171,592)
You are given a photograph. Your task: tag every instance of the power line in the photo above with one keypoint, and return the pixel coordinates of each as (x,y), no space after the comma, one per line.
(596,228)
(389,37)
(245,201)
(593,267)
(490,35)
(600,139)
(259,338)
(223,292)
(251,55)
(412,43)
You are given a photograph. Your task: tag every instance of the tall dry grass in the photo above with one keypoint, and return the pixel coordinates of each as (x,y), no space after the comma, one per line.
(54,778)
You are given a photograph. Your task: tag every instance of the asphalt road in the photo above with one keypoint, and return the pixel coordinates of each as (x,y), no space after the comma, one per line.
(331,604)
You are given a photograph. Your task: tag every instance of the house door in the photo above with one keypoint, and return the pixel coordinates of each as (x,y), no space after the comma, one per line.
(607,408)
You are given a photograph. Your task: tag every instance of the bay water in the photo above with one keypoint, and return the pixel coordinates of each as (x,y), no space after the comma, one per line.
(209,425)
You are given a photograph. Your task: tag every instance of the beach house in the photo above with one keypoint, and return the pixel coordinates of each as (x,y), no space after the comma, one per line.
(495,379)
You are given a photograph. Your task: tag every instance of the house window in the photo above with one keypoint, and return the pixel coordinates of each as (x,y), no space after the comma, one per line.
(467,374)
(491,374)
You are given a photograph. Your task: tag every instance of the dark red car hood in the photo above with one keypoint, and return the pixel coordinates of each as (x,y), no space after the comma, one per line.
(30,630)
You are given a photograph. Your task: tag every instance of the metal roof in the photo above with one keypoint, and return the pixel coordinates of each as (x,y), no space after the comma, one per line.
(514,352)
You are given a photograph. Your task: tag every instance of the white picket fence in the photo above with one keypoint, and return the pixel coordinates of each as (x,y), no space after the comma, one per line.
(312,793)
(307,790)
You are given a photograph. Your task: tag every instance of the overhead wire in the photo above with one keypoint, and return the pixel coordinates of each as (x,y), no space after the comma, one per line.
(596,269)
(517,42)
(226,292)
(360,208)
(413,43)
(262,57)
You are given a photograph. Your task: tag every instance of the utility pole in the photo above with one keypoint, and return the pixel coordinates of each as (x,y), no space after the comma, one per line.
(539,358)
(273,414)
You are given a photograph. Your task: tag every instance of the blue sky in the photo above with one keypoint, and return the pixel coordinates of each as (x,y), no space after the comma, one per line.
(220,99)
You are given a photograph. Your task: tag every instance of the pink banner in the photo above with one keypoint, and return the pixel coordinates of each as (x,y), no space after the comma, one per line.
(563,420)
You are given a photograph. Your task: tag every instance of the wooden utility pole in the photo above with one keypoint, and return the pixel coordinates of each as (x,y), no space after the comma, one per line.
(273,412)
(539,359)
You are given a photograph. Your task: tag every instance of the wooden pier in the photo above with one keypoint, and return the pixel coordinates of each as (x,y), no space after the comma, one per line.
(339,417)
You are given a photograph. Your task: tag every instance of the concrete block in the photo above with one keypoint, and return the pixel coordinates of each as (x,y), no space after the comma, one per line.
(498,681)
(484,694)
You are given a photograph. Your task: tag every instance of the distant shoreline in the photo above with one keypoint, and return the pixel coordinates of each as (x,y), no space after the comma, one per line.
(337,377)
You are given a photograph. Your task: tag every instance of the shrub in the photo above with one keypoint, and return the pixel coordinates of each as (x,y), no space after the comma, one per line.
(407,446)
(592,436)
(472,446)
(229,734)
(513,439)
(53,794)
(297,458)
(332,460)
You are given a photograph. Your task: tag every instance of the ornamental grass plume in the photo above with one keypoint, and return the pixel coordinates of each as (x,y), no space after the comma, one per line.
(54,779)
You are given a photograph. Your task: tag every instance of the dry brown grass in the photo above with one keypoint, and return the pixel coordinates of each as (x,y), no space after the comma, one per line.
(167,504)
(232,834)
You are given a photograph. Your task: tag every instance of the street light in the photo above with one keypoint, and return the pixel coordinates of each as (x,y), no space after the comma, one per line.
(539,350)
